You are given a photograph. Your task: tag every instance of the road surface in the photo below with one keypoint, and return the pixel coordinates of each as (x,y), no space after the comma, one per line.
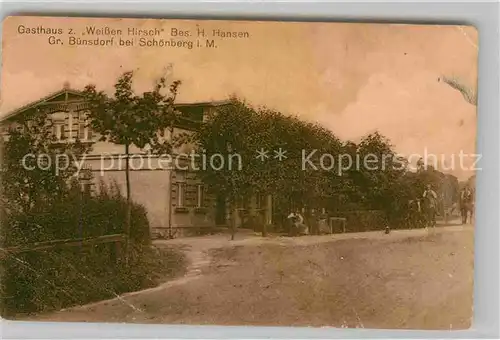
(415,279)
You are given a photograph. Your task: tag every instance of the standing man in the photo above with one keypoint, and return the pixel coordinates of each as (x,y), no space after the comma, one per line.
(430,194)
(466,204)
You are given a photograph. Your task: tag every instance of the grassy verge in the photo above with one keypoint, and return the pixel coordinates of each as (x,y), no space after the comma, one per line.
(46,281)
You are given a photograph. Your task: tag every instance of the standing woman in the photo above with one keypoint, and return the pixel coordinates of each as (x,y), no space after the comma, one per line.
(430,198)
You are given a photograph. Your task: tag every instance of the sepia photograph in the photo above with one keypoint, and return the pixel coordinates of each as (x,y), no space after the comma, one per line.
(238,173)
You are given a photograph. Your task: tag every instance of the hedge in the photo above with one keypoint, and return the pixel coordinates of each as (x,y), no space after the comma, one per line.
(52,279)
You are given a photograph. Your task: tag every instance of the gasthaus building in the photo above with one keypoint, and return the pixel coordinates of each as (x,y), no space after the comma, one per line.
(175,200)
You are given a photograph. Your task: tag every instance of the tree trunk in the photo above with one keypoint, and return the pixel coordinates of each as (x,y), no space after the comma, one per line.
(170,184)
(269,214)
(169,219)
(129,205)
(234,212)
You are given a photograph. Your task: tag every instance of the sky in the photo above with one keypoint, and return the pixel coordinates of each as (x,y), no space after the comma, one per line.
(353,78)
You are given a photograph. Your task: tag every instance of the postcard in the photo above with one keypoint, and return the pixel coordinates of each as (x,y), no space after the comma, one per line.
(254,173)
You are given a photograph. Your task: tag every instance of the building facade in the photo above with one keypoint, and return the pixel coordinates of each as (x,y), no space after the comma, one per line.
(175,198)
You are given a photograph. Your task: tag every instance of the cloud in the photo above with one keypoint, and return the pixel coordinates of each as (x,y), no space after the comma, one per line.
(353,78)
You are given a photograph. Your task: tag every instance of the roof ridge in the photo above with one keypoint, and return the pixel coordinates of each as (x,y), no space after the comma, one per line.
(39,101)
(67,89)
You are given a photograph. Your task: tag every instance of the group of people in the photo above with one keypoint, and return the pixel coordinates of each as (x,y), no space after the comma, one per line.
(431,203)
(466,203)
(317,223)
(297,228)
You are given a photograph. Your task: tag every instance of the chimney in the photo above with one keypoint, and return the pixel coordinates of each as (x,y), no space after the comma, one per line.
(66,88)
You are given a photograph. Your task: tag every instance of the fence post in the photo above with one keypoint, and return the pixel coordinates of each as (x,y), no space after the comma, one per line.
(116,251)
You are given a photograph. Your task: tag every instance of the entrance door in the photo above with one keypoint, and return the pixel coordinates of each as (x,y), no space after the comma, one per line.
(220,210)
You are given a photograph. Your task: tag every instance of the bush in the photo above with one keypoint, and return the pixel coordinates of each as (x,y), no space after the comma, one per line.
(371,220)
(77,216)
(362,220)
(411,219)
(52,279)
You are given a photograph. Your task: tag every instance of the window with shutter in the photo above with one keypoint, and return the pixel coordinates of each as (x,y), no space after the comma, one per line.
(58,129)
(84,128)
(181,195)
(180,178)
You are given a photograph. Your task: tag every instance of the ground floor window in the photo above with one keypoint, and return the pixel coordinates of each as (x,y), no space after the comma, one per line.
(181,194)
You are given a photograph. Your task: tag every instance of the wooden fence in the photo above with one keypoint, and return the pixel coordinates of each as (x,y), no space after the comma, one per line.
(116,240)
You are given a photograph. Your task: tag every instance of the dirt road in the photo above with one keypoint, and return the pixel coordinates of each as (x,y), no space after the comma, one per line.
(407,279)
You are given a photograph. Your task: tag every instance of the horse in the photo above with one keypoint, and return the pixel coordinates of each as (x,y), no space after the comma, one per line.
(415,216)
(467,210)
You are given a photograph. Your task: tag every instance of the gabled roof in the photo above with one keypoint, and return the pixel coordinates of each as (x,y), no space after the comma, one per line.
(68,95)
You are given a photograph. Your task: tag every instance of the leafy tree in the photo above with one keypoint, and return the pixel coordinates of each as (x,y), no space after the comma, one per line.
(238,129)
(228,134)
(40,204)
(36,168)
(129,119)
(372,175)
(37,173)
(450,190)
(379,177)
